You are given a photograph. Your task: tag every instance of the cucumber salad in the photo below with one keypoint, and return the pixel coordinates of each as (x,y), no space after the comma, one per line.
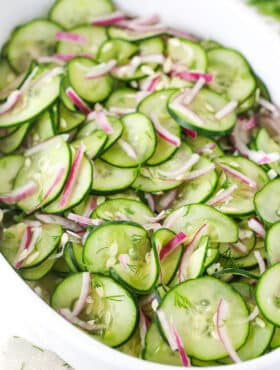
(140,188)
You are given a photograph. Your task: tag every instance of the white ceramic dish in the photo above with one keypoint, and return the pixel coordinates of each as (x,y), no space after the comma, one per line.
(228,21)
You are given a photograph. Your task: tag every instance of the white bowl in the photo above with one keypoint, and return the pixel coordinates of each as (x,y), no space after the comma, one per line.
(227,21)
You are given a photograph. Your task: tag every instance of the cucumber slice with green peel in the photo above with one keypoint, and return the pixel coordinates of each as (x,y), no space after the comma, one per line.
(124,210)
(267,202)
(94,37)
(65,100)
(94,90)
(187,53)
(9,168)
(42,168)
(156,104)
(37,97)
(114,309)
(73,254)
(170,264)
(110,179)
(69,120)
(275,342)
(211,256)
(197,190)
(241,201)
(157,350)
(150,178)
(72,13)
(7,75)
(123,249)
(243,247)
(133,346)
(81,187)
(231,74)
(272,243)
(40,271)
(209,44)
(47,242)
(119,50)
(13,141)
(92,126)
(30,41)
(192,306)
(268,294)
(200,113)
(60,267)
(221,228)
(130,35)
(94,143)
(123,98)
(43,128)
(138,133)
(248,104)
(204,145)
(154,45)
(199,363)
(266,144)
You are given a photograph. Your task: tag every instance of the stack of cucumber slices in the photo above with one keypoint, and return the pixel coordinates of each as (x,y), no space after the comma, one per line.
(140,189)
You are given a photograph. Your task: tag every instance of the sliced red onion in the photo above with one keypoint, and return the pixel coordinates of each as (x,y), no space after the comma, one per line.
(103,122)
(269,106)
(222,196)
(168,198)
(124,260)
(24,244)
(12,100)
(168,248)
(48,75)
(181,34)
(140,95)
(41,146)
(62,221)
(120,111)
(101,70)
(198,173)
(69,56)
(189,250)
(251,123)
(240,247)
(207,149)
(167,330)
(91,206)
(36,232)
(253,314)
(80,304)
(50,59)
(255,225)
(127,148)
(80,104)
(190,95)
(84,220)
(221,315)
(132,25)
(226,110)
(151,201)
(163,133)
(260,261)
(152,19)
(187,166)
(264,158)
(71,37)
(31,223)
(184,357)
(193,76)
(152,226)
(152,58)
(179,107)
(152,83)
(190,133)
(157,218)
(68,315)
(172,219)
(240,176)
(19,194)
(109,19)
(27,83)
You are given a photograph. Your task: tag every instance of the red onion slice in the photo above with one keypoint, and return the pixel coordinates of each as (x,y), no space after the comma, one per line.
(167,330)
(25,241)
(222,332)
(124,260)
(187,166)
(151,201)
(10,103)
(19,194)
(50,59)
(62,221)
(174,217)
(101,70)
(168,248)
(189,96)
(109,19)
(178,106)
(127,148)
(181,34)
(80,104)
(103,122)
(193,76)
(68,315)
(184,357)
(198,173)
(190,133)
(269,106)
(42,146)
(72,176)
(36,232)
(82,220)
(80,304)
(71,37)
(157,218)
(207,149)
(251,123)
(91,206)
(226,110)
(168,198)
(120,111)
(163,133)
(69,56)
(260,261)
(27,83)
(152,83)
(222,196)
(46,76)
(240,176)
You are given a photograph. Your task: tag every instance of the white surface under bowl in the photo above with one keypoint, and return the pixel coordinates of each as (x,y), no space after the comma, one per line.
(228,21)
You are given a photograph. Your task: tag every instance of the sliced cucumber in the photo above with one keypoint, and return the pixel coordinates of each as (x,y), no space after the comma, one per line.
(200,114)
(114,308)
(73,254)
(133,346)
(267,202)
(275,342)
(43,128)
(40,271)
(129,35)
(153,45)
(139,134)
(266,144)
(123,209)
(205,146)
(94,143)
(188,53)
(232,74)
(156,104)
(221,228)
(272,243)
(94,90)
(123,98)
(192,306)
(13,141)
(69,120)
(30,41)
(42,167)
(94,38)
(9,168)
(268,294)
(7,75)
(119,50)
